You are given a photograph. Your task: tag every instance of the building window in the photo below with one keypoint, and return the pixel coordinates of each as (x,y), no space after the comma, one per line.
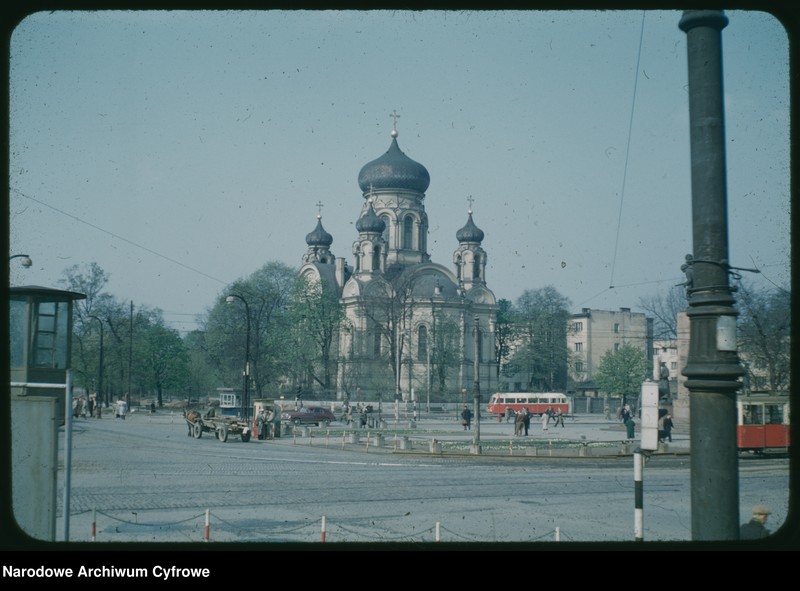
(616,327)
(579,366)
(408,227)
(422,343)
(616,347)
(376,344)
(674,365)
(578,327)
(385,219)
(578,347)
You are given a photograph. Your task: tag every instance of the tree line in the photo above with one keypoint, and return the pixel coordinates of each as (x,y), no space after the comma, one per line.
(290,326)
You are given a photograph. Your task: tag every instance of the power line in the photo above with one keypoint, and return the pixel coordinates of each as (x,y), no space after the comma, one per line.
(627,154)
(118,237)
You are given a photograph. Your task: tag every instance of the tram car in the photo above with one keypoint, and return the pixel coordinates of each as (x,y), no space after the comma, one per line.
(763,423)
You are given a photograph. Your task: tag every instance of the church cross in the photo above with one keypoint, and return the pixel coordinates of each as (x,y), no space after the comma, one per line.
(471,200)
(394,116)
(319,209)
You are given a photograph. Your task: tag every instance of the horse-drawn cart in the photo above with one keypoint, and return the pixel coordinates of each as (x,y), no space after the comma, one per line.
(222,427)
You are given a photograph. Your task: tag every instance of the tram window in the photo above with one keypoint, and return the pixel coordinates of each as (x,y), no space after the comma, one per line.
(774,414)
(753,414)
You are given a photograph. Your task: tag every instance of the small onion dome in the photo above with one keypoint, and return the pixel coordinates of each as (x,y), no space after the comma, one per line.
(319,237)
(369,222)
(470,232)
(394,170)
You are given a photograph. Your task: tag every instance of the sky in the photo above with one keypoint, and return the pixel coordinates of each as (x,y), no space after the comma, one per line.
(183,150)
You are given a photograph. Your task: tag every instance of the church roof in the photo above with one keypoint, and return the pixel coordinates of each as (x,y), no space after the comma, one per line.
(319,237)
(394,170)
(370,222)
(470,232)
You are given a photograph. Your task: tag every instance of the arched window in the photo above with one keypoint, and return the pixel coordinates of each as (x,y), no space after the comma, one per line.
(385,236)
(376,258)
(422,343)
(408,227)
(476,268)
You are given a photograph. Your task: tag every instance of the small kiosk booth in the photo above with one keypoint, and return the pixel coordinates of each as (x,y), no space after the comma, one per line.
(40,340)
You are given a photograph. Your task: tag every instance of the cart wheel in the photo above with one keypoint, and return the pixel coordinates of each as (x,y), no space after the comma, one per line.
(296,421)
(246,436)
(197,430)
(326,423)
(222,433)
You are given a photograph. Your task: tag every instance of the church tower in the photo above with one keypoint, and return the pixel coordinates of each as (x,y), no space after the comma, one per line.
(412,325)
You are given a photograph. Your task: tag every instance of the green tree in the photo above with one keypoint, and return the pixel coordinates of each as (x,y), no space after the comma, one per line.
(540,335)
(164,357)
(622,372)
(316,315)
(265,310)
(504,334)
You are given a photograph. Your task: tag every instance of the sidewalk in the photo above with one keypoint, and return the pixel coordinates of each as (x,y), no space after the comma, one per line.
(583,435)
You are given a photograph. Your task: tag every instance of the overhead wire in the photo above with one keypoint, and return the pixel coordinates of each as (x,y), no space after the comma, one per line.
(627,153)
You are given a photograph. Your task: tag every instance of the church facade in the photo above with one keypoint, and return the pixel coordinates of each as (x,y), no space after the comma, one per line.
(415,329)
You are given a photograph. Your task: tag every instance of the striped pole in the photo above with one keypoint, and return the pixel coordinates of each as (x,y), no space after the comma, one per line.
(510,447)
(94,524)
(327,437)
(342,439)
(367,448)
(558,534)
(323,529)
(208,526)
(638,515)
(438,532)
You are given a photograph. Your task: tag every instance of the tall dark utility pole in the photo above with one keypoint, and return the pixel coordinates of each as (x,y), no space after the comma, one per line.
(712,369)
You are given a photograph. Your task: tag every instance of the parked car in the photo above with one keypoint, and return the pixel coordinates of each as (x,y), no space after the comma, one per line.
(316,415)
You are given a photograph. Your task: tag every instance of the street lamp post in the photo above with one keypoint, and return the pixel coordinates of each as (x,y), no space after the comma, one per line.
(100,365)
(246,372)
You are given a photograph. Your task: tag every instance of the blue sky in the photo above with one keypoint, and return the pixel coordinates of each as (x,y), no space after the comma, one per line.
(183,150)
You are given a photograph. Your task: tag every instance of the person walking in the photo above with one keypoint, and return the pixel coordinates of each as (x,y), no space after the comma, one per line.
(630,427)
(559,418)
(755,528)
(519,423)
(466,418)
(545,420)
(526,420)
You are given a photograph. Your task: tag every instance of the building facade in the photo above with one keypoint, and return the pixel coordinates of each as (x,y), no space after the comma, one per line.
(414,328)
(593,333)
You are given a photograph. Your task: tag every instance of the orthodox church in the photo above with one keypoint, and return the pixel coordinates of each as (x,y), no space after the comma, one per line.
(413,327)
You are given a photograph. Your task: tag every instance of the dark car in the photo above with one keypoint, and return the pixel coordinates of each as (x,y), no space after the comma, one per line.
(309,415)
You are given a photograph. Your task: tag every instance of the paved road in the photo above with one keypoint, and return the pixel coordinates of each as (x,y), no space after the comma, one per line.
(143,480)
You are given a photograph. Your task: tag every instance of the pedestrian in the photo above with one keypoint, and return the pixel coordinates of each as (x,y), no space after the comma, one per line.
(668,424)
(755,528)
(526,420)
(466,418)
(545,420)
(99,411)
(630,426)
(519,423)
(559,418)
(269,424)
(509,414)
(90,406)
(260,420)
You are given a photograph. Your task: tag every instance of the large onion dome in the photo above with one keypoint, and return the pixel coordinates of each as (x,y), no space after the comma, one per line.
(370,222)
(470,232)
(319,237)
(394,170)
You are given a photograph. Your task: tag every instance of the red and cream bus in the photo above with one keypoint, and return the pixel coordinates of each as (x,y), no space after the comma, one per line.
(535,402)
